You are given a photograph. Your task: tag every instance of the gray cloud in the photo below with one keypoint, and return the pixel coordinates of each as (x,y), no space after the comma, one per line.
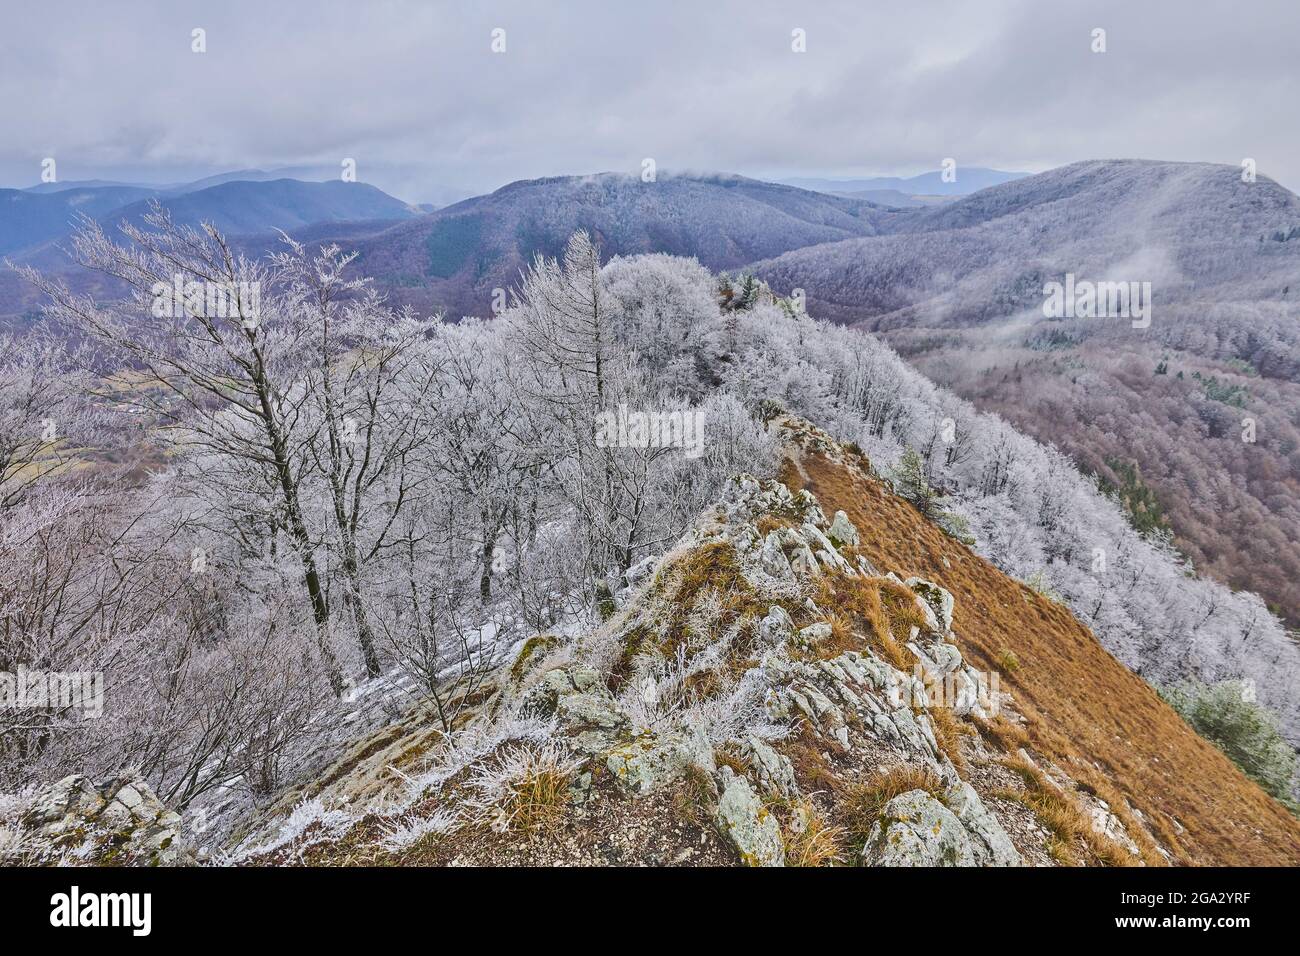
(412,91)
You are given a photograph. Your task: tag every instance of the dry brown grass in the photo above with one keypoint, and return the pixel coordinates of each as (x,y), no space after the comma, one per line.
(869,612)
(1074,842)
(710,567)
(948,731)
(861,804)
(536,799)
(810,840)
(726,757)
(694,797)
(1083,708)
(812,771)
(523,788)
(1002,733)
(768,523)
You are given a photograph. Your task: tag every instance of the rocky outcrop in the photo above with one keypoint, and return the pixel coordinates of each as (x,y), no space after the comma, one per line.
(748,823)
(989,842)
(937,601)
(118,821)
(842,531)
(699,697)
(651,761)
(915,829)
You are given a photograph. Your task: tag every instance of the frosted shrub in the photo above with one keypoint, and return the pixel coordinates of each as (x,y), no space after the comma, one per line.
(522,787)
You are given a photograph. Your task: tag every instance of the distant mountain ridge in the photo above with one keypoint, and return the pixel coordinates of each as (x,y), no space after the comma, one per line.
(28,219)
(964,182)
(31,217)
(241,207)
(452,259)
(959,290)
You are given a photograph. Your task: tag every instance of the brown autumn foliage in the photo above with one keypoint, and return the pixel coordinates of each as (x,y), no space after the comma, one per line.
(1234,505)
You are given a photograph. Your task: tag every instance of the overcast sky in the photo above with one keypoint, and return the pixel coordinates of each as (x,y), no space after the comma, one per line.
(413,92)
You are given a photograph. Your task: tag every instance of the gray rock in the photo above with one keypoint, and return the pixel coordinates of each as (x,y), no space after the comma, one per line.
(773,560)
(750,826)
(843,532)
(937,658)
(651,761)
(118,821)
(813,635)
(804,562)
(590,711)
(937,600)
(915,829)
(560,682)
(777,626)
(990,842)
(774,771)
(69,798)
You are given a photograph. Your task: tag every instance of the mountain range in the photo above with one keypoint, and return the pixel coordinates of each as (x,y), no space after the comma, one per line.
(962,182)
(237,203)
(453,259)
(954,283)
(1200,406)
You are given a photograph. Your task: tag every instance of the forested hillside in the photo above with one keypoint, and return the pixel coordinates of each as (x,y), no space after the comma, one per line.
(1201,404)
(358,509)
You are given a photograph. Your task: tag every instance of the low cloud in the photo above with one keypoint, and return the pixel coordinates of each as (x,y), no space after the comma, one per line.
(414,93)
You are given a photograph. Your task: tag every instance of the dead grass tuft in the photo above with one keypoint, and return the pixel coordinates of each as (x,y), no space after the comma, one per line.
(1074,842)
(870,613)
(522,788)
(810,840)
(862,804)
(694,797)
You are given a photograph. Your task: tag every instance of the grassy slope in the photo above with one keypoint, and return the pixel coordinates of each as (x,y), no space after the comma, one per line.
(1086,712)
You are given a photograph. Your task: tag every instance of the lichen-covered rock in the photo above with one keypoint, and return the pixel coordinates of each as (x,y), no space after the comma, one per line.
(582,705)
(989,841)
(530,656)
(774,771)
(750,826)
(116,821)
(937,600)
(915,829)
(852,689)
(843,532)
(590,710)
(777,626)
(560,682)
(651,761)
(813,635)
